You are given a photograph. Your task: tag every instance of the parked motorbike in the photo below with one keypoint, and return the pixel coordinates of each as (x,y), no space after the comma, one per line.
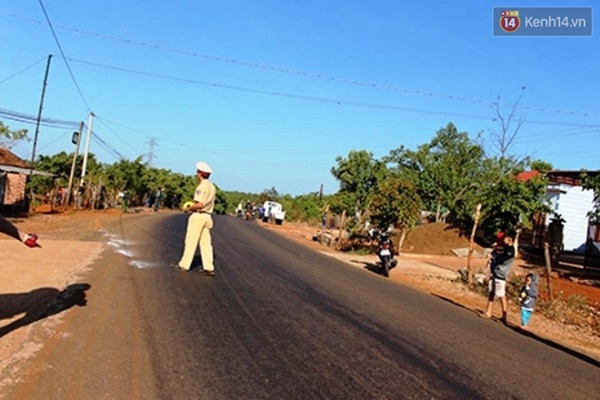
(385,251)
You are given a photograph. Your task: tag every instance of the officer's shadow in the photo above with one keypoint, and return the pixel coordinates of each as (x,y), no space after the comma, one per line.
(39,304)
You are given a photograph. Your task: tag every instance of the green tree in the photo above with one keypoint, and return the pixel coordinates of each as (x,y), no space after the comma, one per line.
(452,171)
(222,203)
(358,175)
(440,169)
(507,201)
(592,182)
(306,207)
(512,202)
(127,175)
(541,166)
(268,194)
(396,203)
(9,137)
(60,165)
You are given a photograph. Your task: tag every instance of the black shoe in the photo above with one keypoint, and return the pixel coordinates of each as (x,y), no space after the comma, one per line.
(208,273)
(177,267)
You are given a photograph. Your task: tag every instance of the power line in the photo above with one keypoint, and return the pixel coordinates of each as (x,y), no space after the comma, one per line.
(63,56)
(319,99)
(31,119)
(115,133)
(546,136)
(290,71)
(22,70)
(107,147)
(57,139)
(125,127)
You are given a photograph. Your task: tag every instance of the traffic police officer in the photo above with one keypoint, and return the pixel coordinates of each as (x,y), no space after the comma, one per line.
(200,223)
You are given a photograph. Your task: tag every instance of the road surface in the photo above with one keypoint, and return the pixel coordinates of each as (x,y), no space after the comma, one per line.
(279,321)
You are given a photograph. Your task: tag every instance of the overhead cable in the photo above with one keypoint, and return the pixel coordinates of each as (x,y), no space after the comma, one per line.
(320,99)
(64,56)
(115,133)
(110,149)
(22,70)
(31,119)
(273,68)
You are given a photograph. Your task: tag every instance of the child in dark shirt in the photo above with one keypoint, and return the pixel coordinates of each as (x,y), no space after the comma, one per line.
(501,261)
(528,296)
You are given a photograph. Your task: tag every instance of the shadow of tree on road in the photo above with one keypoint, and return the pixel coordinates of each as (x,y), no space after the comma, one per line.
(39,304)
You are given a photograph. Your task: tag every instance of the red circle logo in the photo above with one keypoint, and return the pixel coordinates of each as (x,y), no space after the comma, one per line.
(509,22)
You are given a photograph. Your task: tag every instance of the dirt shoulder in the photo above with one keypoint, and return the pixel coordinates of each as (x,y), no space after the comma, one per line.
(32,280)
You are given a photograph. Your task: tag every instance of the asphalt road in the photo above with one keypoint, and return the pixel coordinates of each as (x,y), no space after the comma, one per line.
(279,321)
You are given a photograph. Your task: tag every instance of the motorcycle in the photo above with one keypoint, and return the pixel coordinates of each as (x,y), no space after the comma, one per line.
(385,251)
(251,214)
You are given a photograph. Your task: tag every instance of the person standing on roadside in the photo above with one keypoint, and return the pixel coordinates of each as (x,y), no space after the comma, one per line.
(200,223)
(7,227)
(501,262)
(158,199)
(528,295)
(124,195)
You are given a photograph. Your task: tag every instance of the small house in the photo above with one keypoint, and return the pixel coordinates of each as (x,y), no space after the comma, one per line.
(572,203)
(14,172)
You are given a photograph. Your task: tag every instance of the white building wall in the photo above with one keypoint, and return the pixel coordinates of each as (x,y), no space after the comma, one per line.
(573,203)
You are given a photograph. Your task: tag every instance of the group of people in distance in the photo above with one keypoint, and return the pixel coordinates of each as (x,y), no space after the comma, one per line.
(500,260)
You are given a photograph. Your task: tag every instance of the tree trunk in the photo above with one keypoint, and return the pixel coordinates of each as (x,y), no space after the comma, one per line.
(548,269)
(472,245)
(516,243)
(401,240)
(341,229)
(437,212)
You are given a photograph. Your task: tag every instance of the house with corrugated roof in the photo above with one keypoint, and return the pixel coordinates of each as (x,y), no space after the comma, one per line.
(570,202)
(14,173)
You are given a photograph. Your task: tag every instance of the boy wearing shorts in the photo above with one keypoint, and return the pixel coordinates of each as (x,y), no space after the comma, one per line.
(501,262)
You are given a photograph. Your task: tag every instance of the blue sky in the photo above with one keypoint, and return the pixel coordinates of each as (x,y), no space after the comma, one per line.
(270,92)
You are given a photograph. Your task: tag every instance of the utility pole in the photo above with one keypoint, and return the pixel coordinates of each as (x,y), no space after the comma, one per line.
(77,140)
(39,116)
(472,245)
(87,148)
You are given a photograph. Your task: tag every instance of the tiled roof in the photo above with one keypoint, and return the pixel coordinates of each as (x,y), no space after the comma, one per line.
(527,175)
(7,157)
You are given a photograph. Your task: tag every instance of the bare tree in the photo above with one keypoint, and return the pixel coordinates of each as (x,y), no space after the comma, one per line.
(510,125)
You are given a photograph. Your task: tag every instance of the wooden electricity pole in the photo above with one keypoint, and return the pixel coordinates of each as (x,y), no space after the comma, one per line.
(472,245)
(39,116)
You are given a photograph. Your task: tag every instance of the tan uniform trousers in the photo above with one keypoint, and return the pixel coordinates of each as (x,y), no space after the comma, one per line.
(198,234)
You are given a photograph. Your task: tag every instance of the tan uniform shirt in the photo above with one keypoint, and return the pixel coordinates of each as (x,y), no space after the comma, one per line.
(205,194)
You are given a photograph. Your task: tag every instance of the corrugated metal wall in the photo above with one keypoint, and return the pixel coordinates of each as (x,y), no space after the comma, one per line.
(573,204)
